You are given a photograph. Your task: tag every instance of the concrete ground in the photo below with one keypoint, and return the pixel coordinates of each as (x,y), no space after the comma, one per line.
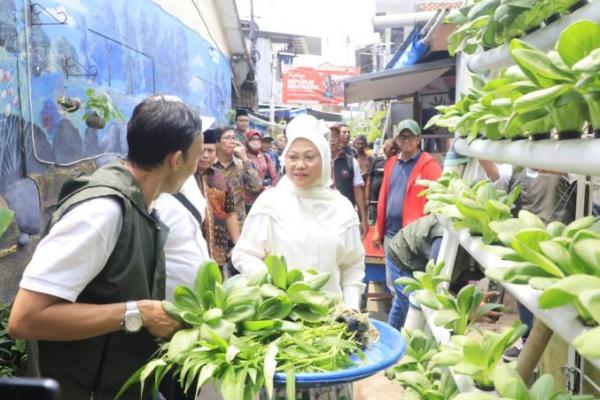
(377,387)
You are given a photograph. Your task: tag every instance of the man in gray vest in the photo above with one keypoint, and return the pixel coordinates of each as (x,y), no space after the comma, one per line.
(91,294)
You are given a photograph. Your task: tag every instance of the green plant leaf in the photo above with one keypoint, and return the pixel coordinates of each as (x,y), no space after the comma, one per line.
(267,291)
(207,277)
(242,295)
(212,314)
(541,98)
(317,282)
(6,218)
(585,246)
(445,317)
(270,365)
(317,302)
(255,326)
(560,256)
(182,341)
(232,383)
(579,224)
(542,283)
(577,41)
(294,275)
(588,64)
(526,243)
(172,310)
(297,287)
(567,290)
(277,270)
(587,343)
(509,384)
(468,298)
(274,308)
(555,228)
(185,299)
(590,300)
(536,65)
(240,313)
(466,368)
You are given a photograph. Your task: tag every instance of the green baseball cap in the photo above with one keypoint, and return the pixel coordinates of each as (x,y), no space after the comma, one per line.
(409,124)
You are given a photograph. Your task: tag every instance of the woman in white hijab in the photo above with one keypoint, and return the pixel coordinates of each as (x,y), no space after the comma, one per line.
(305,220)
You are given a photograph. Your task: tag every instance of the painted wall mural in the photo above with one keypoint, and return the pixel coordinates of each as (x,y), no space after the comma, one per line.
(129,49)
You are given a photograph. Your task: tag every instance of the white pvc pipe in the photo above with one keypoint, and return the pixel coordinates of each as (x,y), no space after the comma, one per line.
(544,39)
(404,19)
(578,156)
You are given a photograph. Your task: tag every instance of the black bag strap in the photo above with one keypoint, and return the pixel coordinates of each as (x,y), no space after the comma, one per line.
(190,207)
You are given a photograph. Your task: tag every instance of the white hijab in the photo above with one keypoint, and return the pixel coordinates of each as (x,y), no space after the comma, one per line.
(328,204)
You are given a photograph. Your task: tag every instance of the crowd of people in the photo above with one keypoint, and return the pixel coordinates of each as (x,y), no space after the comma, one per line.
(122,238)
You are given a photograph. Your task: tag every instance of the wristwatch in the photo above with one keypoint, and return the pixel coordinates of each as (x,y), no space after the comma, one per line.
(132,319)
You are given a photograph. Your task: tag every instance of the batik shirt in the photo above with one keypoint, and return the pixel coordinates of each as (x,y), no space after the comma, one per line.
(220,204)
(242,177)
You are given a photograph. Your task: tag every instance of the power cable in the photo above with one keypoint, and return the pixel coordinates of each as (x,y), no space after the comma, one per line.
(206,26)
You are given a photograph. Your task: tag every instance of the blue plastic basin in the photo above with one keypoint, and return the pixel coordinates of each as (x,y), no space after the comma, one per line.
(384,353)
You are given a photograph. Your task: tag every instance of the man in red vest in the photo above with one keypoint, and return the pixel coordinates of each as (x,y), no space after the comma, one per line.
(399,204)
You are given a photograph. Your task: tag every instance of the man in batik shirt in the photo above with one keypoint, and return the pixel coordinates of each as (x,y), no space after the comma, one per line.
(220,227)
(239,172)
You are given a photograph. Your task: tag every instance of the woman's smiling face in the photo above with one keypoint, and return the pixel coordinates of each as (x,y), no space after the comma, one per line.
(303,164)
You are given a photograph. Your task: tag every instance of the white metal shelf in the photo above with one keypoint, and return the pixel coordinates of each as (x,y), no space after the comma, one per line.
(464,383)
(563,320)
(543,38)
(578,156)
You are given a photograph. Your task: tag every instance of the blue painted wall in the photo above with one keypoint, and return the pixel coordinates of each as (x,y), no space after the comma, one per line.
(131,49)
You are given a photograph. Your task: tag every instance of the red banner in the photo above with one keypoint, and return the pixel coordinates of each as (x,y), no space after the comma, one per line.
(322,85)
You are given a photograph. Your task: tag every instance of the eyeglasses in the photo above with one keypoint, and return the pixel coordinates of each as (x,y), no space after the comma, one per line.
(308,159)
(405,138)
(253,138)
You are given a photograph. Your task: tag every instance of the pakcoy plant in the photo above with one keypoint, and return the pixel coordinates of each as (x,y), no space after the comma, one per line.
(510,386)
(485,24)
(479,355)
(234,331)
(459,313)
(455,313)
(425,284)
(582,292)
(542,255)
(470,207)
(435,385)
(563,261)
(419,378)
(544,92)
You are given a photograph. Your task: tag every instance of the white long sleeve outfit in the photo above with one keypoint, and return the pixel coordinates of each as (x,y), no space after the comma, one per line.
(185,248)
(316,227)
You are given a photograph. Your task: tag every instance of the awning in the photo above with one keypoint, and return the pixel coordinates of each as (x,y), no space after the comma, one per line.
(394,83)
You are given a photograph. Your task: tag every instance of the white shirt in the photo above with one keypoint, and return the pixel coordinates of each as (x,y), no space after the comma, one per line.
(358,179)
(185,248)
(75,250)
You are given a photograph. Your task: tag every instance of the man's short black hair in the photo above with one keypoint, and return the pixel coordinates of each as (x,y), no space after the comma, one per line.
(361,137)
(221,130)
(160,125)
